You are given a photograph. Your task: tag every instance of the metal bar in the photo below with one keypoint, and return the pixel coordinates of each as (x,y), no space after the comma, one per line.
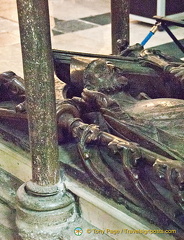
(176,41)
(66,56)
(120,10)
(166,20)
(40,91)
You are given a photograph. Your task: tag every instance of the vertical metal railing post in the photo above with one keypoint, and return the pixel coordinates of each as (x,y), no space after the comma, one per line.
(40,90)
(120,10)
(43,204)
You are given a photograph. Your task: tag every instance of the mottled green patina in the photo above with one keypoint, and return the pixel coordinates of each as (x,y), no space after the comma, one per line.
(40,94)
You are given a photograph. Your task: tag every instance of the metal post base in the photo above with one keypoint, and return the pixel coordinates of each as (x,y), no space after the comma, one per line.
(44,217)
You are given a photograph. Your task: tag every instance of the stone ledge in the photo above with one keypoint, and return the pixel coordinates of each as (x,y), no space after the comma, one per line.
(101,212)
(106,214)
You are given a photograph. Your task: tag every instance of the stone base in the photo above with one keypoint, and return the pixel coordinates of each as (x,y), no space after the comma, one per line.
(43,218)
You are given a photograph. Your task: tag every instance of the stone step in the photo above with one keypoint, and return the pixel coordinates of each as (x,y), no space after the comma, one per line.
(111,218)
(7,214)
(7,223)
(9,185)
(100,216)
(8,231)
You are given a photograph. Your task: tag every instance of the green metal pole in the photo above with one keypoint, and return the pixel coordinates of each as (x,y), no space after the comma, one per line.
(120,10)
(44,208)
(40,90)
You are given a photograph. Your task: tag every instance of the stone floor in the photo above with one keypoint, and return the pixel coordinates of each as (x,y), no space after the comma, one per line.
(76,25)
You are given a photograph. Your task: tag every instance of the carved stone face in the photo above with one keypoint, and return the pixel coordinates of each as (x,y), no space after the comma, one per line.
(104,77)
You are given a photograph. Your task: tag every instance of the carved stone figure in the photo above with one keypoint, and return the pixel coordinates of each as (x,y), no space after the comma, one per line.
(126,119)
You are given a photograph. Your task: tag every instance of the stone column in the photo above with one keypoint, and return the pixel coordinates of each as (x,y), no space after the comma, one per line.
(43,205)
